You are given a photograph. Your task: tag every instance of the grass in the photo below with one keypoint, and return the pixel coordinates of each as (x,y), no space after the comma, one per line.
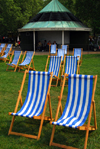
(10,84)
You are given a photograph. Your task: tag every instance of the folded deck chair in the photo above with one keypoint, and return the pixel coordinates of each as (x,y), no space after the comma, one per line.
(26,64)
(6,55)
(54,66)
(66,47)
(36,100)
(78,108)
(78,52)
(53,50)
(14,63)
(71,66)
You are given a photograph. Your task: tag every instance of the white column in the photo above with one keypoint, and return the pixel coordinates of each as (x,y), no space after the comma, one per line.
(62,37)
(34,40)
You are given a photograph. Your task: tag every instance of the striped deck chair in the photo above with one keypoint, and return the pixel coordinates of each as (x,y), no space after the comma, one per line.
(36,100)
(66,47)
(14,63)
(79,105)
(2,48)
(53,50)
(54,66)
(71,66)
(26,63)
(78,52)
(6,55)
(61,52)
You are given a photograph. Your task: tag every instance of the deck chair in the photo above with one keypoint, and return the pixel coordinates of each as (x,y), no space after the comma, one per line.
(78,108)
(14,63)
(6,55)
(70,66)
(54,66)
(26,63)
(2,48)
(78,52)
(9,45)
(36,100)
(66,47)
(53,50)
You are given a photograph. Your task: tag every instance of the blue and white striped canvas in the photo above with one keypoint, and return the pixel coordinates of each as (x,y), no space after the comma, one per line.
(54,65)
(28,58)
(64,47)
(78,101)
(6,53)
(2,45)
(36,95)
(77,52)
(53,49)
(61,52)
(71,65)
(0,49)
(9,45)
(16,58)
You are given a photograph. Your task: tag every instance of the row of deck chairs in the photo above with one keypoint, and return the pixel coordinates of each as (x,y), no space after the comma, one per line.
(79,102)
(78,108)
(25,63)
(14,58)
(64,50)
(70,66)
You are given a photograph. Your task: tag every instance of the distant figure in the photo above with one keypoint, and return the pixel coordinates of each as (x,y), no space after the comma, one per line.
(49,43)
(54,42)
(44,45)
(39,47)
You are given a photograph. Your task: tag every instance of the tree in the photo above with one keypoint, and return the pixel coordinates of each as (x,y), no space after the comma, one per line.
(89,13)
(15,14)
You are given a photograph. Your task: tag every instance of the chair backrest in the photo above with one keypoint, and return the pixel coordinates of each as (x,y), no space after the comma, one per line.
(64,47)
(6,52)
(53,49)
(77,52)
(78,101)
(9,45)
(38,85)
(16,57)
(28,58)
(2,45)
(54,65)
(61,52)
(71,65)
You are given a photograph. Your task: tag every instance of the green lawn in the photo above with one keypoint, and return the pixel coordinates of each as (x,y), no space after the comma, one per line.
(10,84)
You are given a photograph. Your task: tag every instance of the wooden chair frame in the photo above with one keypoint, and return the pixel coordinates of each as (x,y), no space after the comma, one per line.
(85,127)
(14,66)
(56,77)
(50,51)
(28,67)
(42,117)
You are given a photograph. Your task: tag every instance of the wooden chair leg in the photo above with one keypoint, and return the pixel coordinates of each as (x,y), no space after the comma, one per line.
(52,135)
(10,129)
